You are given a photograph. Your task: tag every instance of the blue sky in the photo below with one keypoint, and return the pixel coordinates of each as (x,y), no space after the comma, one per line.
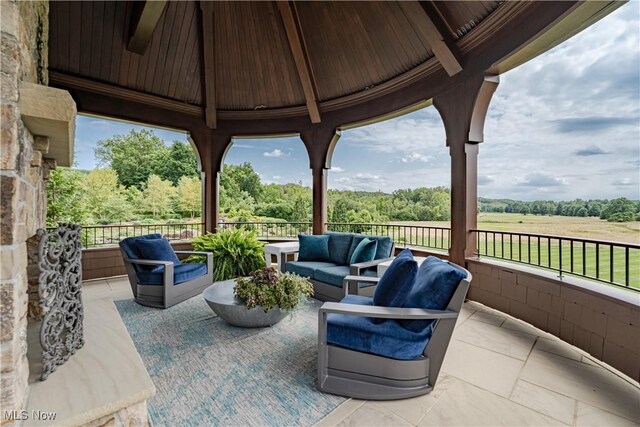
(565,125)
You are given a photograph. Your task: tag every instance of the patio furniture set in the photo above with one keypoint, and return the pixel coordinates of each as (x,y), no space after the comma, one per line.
(380,336)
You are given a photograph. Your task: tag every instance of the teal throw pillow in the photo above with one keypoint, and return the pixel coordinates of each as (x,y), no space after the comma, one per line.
(364,252)
(313,248)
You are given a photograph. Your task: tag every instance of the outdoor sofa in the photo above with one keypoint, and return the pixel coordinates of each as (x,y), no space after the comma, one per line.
(327,259)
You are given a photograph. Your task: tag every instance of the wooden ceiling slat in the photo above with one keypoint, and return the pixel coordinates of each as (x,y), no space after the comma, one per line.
(118,41)
(85,37)
(97,24)
(271,69)
(165,37)
(54,44)
(75,37)
(286,63)
(192,74)
(172,49)
(176,87)
(260,76)
(107,41)
(154,53)
(187,24)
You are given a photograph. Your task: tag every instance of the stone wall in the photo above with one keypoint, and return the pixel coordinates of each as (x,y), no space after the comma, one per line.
(601,320)
(24,31)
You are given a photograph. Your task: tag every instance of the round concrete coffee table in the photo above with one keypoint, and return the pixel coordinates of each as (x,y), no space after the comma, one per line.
(223,302)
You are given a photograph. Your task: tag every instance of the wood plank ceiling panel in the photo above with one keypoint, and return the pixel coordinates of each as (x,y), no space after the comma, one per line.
(371,42)
(254,64)
(462,16)
(90,41)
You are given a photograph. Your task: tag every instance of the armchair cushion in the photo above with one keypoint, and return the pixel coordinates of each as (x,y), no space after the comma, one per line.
(339,245)
(306,268)
(313,248)
(158,250)
(335,275)
(397,282)
(435,285)
(383,250)
(181,273)
(130,248)
(364,252)
(388,339)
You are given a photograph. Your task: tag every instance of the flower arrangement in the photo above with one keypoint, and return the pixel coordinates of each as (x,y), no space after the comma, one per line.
(267,289)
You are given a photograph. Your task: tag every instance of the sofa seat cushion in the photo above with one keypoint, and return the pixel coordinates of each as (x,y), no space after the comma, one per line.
(335,275)
(388,339)
(181,273)
(313,248)
(435,284)
(383,250)
(339,245)
(306,268)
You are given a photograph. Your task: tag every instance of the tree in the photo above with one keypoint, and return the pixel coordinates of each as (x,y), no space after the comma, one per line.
(189,195)
(157,196)
(105,198)
(242,177)
(65,193)
(133,157)
(619,210)
(180,161)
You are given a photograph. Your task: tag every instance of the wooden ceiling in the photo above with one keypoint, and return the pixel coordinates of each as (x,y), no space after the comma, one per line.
(255,56)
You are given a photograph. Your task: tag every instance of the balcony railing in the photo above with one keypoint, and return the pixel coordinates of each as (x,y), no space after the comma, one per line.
(615,263)
(267,230)
(106,235)
(404,235)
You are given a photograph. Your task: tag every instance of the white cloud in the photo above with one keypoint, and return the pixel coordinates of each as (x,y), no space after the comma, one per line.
(337,169)
(274,153)
(416,157)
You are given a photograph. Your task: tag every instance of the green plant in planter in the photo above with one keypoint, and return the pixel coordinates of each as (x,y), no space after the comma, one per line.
(236,252)
(267,289)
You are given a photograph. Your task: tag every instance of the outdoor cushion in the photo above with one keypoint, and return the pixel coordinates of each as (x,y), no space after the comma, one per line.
(339,245)
(306,268)
(435,285)
(382,251)
(364,252)
(388,339)
(130,248)
(313,248)
(397,282)
(335,275)
(157,249)
(181,273)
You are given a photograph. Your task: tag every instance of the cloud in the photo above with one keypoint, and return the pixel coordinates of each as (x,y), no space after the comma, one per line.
(337,169)
(361,181)
(485,180)
(592,150)
(416,157)
(274,153)
(539,180)
(593,124)
(623,182)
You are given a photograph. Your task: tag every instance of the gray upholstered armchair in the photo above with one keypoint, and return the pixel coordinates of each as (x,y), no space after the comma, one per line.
(157,277)
(382,353)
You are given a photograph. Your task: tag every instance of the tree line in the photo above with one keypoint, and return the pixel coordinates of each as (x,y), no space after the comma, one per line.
(142,179)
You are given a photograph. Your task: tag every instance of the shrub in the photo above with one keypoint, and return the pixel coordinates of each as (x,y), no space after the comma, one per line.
(236,252)
(266,289)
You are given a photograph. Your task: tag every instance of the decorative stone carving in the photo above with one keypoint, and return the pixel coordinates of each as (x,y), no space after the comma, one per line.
(61,333)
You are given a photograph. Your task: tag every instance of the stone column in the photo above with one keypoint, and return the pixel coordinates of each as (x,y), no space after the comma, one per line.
(463,110)
(320,143)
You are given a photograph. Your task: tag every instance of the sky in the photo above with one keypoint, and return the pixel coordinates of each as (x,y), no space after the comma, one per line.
(565,125)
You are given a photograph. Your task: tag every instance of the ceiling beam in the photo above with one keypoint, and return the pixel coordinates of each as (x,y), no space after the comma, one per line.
(209,61)
(442,46)
(144,19)
(300,56)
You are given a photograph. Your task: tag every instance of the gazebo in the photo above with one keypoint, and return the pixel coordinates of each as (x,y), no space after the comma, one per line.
(225,70)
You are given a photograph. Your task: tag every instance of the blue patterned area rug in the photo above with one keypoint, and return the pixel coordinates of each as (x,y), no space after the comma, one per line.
(208,372)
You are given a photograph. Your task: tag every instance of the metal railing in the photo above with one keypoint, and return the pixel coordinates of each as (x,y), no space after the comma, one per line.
(107,235)
(266,230)
(615,263)
(404,235)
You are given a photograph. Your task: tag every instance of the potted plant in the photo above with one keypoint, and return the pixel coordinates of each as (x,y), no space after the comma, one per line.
(236,252)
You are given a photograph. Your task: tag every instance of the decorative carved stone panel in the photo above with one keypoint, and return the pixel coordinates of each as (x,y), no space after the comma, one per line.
(60,264)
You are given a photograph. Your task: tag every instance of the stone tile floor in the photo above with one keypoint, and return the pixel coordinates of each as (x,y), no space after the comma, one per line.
(498,371)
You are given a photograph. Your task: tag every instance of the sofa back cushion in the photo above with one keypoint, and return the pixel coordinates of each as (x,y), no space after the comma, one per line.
(157,250)
(364,252)
(383,250)
(339,245)
(397,282)
(313,248)
(435,284)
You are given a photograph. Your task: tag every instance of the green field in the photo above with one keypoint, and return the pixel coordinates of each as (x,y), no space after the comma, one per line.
(546,252)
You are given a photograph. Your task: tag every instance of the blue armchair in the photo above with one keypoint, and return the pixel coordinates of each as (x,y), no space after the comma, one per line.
(157,277)
(377,352)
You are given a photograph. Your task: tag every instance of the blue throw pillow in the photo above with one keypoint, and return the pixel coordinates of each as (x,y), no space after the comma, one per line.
(364,252)
(313,248)
(435,285)
(396,283)
(157,250)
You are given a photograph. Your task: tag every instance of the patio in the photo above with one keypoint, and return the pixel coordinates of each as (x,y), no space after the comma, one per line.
(498,371)
(577,365)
